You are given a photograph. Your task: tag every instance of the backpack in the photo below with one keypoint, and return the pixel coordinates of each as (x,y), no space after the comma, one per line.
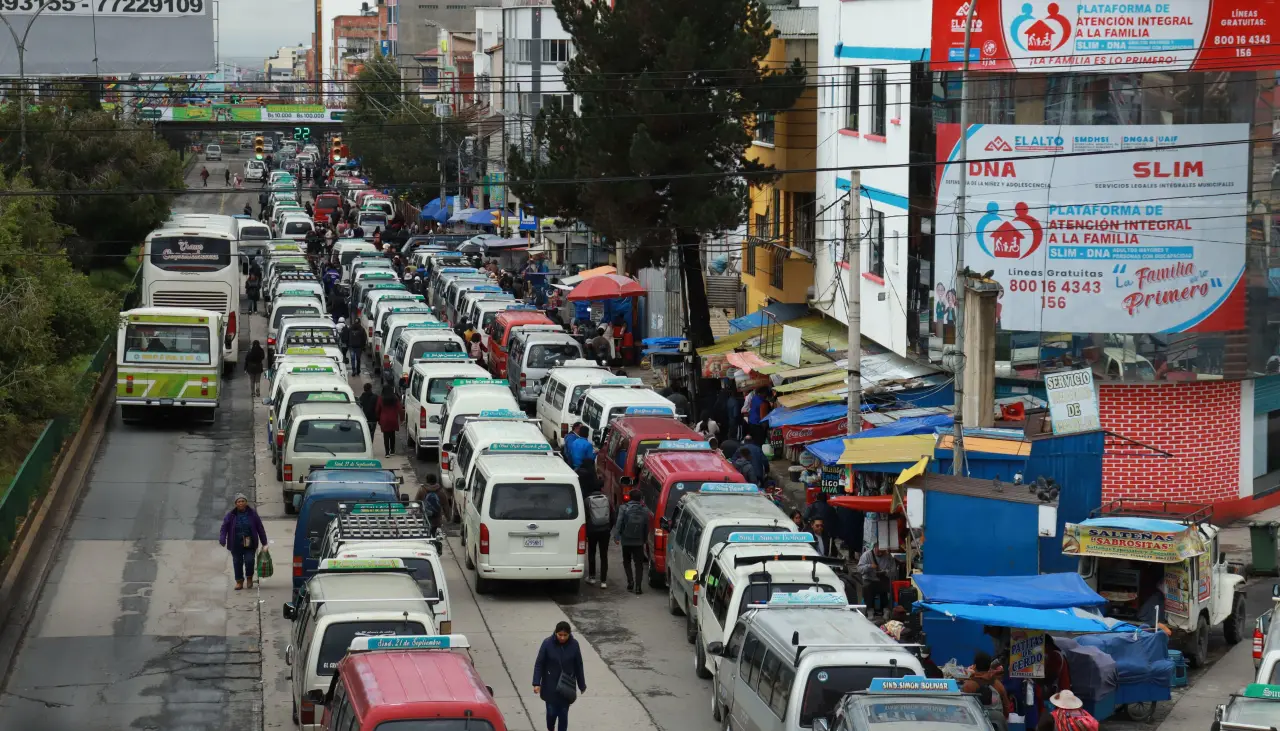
(1073,720)
(598,510)
(432,502)
(635,524)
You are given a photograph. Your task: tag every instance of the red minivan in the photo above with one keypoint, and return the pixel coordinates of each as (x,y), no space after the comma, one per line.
(626,438)
(671,471)
(500,336)
(385,684)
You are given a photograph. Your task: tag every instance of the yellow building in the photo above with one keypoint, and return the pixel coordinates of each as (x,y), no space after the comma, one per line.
(781,228)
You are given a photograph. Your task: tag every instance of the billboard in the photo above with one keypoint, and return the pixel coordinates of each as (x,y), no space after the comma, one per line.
(1048,36)
(306,113)
(109,37)
(1143,231)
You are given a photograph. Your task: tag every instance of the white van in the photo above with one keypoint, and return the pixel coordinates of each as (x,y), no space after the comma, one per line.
(296,330)
(788,663)
(296,227)
(294,305)
(418,339)
(386,297)
(468,311)
(465,293)
(318,432)
(430,381)
(561,399)
(299,288)
(345,250)
(747,569)
(602,406)
(346,599)
(477,437)
(705,519)
(524,520)
(313,355)
(291,387)
(471,399)
(531,354)
(423,561)
(394,324)
(379,319)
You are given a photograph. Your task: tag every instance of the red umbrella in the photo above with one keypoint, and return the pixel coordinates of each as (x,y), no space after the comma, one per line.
(606,287)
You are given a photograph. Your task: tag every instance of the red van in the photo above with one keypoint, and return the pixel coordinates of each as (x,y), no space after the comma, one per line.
(625,440)
(500,337)
(405,679)
(671,471)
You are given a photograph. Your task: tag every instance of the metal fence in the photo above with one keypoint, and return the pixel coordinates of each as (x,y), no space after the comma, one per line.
(35,472)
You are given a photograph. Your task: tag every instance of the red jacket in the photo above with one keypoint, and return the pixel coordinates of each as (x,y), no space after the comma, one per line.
(388,415)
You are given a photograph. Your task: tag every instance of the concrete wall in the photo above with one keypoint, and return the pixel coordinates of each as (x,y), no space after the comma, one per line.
(870,34)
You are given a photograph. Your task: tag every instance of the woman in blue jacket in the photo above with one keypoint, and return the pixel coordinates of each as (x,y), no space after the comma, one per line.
(558,655)
(241,533)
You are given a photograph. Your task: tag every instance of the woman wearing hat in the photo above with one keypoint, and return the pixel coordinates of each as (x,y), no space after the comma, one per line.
(241,533)
(1068,714)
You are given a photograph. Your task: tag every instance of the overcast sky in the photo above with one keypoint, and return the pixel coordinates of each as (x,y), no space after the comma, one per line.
(252,30)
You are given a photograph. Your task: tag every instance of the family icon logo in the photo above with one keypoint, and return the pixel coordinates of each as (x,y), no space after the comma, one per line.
(1003,238)
(1041,35)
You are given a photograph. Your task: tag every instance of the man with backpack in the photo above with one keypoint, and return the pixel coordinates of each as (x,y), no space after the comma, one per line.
(599,522)
(632,533)
(429,496)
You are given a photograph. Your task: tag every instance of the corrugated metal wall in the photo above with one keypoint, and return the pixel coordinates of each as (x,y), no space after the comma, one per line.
(1266,395)
(664,308)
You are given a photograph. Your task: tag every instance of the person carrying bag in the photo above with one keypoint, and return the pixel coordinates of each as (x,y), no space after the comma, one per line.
(558,677)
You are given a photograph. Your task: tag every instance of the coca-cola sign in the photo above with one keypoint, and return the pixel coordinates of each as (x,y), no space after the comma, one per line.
(190,253)
(809,433)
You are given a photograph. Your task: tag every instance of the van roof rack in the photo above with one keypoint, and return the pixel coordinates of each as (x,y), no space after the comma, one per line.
(382,521)
(1188,513)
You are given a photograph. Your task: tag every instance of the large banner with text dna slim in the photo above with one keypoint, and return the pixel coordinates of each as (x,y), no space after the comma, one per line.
(1135,229)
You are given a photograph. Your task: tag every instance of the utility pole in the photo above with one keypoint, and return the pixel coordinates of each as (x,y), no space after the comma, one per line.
(21,44)
(957,446)
(444,199)
(853,252)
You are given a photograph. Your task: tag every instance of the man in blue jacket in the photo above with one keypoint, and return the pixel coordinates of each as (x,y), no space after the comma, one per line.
(558,670)
(580,452)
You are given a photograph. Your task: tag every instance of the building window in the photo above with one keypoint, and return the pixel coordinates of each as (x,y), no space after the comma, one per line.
(778,262)
(875,237)
(804,233)
(879,101)
(526,103)
(524,51)
(455,7)
(430,75)
(556,51)
(777,214)
(749,267)
(764,127)
(557,101)
(851,98)
(428,7)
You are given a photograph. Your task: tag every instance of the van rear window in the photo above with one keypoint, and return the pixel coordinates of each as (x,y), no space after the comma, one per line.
(760,593)
(283,310)
(425,576)
(338,637)
(436,724)
(335,436)
(534,501)
(433,346)
(825,686)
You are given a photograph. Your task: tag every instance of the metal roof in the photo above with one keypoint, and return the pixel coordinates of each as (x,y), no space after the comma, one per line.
(795,22)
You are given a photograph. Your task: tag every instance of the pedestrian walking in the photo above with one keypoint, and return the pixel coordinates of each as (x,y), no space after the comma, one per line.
(204,176)
(253,365)
(558,677)
(581,453)
(632,533)
(253,290)
(368,401)
(356,342)
(248,208)
(226,175)
(241,534)
(240,185)
(388,413)
(432,504)
(599,524)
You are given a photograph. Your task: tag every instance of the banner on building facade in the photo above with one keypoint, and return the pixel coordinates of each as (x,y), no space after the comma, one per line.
(1124,37)
(1118,229)
(1139,545)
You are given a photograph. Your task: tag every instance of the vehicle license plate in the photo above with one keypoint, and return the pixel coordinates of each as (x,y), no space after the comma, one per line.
(166,402)
(533,543)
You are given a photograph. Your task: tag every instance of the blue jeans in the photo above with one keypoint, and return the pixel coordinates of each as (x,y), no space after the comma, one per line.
(242,560)
(355,361)
(557,713)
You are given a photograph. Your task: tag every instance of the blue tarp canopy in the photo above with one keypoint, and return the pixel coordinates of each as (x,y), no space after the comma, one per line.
(781,311)
(828,451)
(807,415)
(433,206)
(1043,591)
(1049,620)
(482,218)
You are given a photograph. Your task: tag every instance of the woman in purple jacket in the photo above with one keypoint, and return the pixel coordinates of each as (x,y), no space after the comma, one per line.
(241,531)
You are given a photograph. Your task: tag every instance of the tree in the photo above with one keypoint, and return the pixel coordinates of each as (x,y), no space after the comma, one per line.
(401,143)
(73,147)
(52,314)
(668,91)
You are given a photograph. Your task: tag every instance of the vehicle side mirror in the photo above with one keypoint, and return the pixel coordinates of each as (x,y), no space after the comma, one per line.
(664,524)
(434,420)
(266,401)
(715,648)
(821,724)
(290,611)
(1275,591)
(626,481)
(1219,712)
(691,575)
(404,497)
(489,688)
(315,695)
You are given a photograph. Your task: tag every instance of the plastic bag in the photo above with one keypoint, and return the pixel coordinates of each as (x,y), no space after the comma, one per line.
(954,670)
(265,568)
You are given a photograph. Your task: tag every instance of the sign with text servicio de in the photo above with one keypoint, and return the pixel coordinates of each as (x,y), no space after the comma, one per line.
(1137,229)
(1124,37)
(1073,403)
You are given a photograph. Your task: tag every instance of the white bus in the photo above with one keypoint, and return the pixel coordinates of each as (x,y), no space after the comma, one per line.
(194,261)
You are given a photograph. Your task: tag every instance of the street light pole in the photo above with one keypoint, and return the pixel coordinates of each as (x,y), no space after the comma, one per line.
(21,43)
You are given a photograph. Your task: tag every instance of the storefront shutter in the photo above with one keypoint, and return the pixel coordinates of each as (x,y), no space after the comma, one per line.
(1266,395)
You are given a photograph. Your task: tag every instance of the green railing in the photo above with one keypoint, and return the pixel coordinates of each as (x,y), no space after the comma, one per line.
(35,472)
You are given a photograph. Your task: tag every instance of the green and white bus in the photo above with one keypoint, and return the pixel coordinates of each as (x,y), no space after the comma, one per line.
(169,357)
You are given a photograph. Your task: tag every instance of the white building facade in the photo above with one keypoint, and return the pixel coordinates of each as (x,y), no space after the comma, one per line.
(865,120)
(535,47)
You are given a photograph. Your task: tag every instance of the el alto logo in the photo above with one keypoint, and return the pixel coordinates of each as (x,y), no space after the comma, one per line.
(962,12)
(998,145)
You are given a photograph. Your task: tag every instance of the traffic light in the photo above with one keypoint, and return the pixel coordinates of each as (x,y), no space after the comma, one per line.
(259,147)
(336,149)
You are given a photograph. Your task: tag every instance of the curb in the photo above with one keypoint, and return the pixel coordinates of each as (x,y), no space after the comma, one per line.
(24,575)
